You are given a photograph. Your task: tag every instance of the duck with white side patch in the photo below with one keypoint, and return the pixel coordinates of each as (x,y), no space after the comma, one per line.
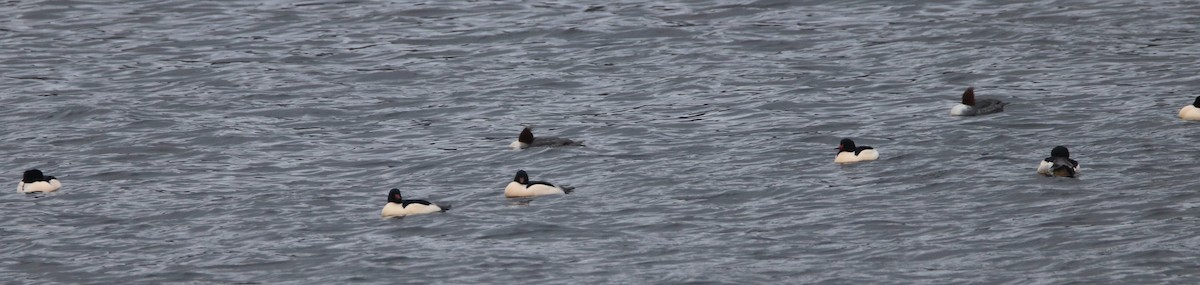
(397,206)
(522,187)
(34,181)
(1191,112)
(969,106)
(526,140)
(1059,164)
(848,152)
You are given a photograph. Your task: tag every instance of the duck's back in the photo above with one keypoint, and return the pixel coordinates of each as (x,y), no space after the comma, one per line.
(416,209)
(554,141)
(867,153)
(544,189)
(1058,166)
(988,106)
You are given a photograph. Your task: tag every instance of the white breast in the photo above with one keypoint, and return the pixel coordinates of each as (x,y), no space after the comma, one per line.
(396,210)
(515,189)
(845,157)
(518,145)
(962,110)
(40,186)
(1190,113)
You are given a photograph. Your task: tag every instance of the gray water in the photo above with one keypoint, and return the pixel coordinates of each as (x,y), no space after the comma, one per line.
(255,141)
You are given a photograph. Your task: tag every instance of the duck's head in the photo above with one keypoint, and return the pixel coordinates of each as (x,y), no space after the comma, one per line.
(526,136)
(1197,102)
(394,196)
(33,175)
(1060,151)
(968,97)
(521,177)
(846,145)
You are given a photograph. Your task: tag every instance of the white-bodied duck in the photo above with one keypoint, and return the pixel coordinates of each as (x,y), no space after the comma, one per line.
(397,206)
(34,181)
(1191,112)
(522,187)
(848,152)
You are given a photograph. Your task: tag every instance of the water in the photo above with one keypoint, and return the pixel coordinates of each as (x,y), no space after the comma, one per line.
(255,141)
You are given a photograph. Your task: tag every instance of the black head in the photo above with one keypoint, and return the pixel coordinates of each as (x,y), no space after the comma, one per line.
(969,96)
(1197,102)
(526,136)
(846,145)
(33,175)
(521,177)
(395,197)
(1060,151)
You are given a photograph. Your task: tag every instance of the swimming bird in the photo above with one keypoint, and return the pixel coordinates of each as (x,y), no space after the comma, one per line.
(34,181)
(1059,163)
(526,140)
(971,107)
(397,206)
(848,152)
(1191,112)
(522,187)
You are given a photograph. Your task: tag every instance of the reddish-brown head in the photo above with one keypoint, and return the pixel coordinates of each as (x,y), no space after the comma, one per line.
(394,196)
(526,136)
(846,145)
(969,97)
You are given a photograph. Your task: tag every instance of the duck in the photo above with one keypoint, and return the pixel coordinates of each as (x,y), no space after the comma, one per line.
(848,152)
(972,107)
(522,187)
(397,206)
(1059,164)
(526,140)
(1191,112)
(34,181)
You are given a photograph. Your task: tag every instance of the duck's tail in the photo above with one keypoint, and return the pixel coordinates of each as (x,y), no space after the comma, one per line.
(1062,170)
(445,207)
(567,189)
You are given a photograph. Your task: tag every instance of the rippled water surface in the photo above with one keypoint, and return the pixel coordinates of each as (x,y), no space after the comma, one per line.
(255,141)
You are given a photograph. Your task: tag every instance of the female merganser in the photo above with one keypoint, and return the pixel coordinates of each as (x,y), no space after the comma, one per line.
(848,152)
(1059,164)
(525,140)
(522,187)
(1191,112)
(397,206)
(34,181)
(972,107)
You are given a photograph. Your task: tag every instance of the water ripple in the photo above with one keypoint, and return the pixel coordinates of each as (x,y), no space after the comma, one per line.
(250,142)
